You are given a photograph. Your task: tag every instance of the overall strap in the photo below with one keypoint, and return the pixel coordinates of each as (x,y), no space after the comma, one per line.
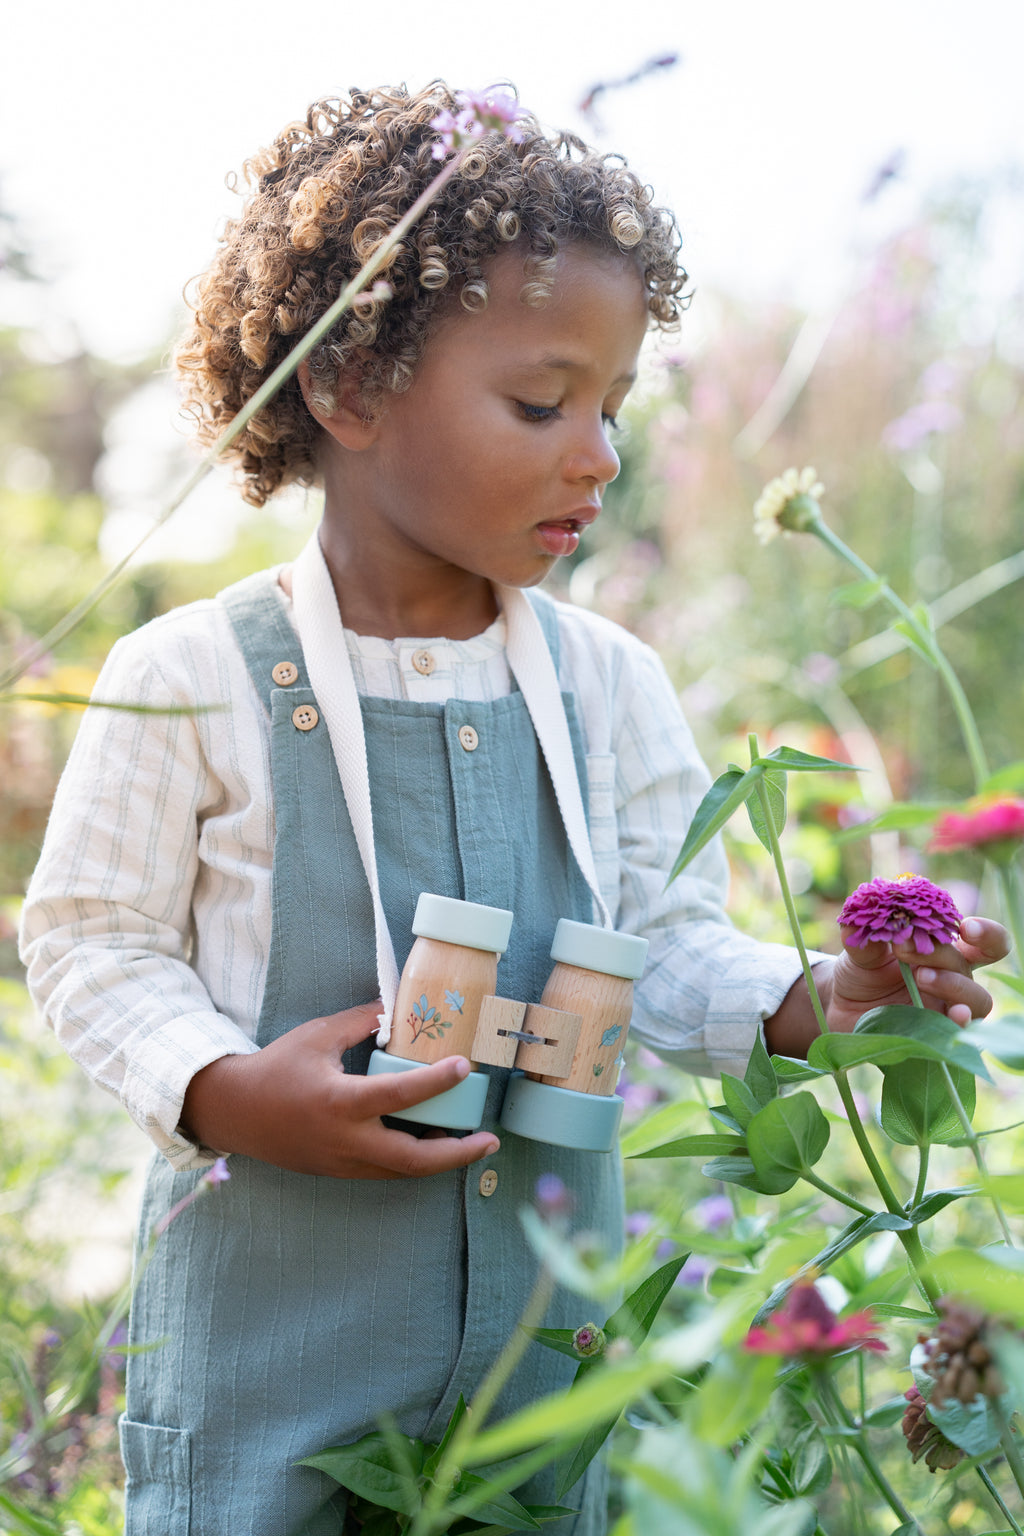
(266,639)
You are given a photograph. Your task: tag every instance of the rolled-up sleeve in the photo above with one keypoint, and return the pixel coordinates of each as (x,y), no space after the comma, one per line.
(107,930)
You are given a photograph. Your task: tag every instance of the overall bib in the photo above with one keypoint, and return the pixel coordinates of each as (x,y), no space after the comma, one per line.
(286,1313)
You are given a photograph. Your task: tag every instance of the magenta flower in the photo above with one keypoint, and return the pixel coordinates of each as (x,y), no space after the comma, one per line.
(479,112)
(897,911)
(805,1325)
(988,819)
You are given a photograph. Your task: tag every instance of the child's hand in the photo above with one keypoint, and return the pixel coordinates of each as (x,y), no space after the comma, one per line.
(869,977)
(293,1105)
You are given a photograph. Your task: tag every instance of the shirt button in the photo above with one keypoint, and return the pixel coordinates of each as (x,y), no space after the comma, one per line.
(488,1182)
(304,717)
(424,662)
(285,673)
(469,738)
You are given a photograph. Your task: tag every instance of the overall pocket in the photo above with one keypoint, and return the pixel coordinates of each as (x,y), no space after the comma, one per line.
(158,1491)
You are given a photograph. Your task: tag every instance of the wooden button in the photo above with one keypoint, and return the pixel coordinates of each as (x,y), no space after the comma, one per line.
(305,717)
(285,673)
(488,1182)
(424,662)
(469,738)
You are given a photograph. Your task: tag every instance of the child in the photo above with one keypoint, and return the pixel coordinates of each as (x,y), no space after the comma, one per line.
(213,917)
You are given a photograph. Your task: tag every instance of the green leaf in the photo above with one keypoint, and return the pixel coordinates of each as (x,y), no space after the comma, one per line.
(559,1339)
(890,1413)
(925,648)
(773,790)
(990,1279)
(1009,778)
(665,1124)
(917,1108)
(1002,1038)
(740,1170)
(897,817)
(858,594)
(696,1146)
(733,1396)
(937,1200)
(804,762)
(812,1464)
(721,1114)
(725,796)
(458,1413)
(635,1318)
(1008,979)
(739,1100)
(475,1496)
(786,1138)
(886,1036)
(760,1076)
(789,1070)
(366,1469)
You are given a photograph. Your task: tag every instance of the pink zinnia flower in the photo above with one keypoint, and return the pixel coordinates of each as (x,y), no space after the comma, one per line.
(989,819)
(480,112)
(895,911)
(806,1325)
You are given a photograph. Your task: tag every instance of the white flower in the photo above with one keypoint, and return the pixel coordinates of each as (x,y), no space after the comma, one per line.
(774,502)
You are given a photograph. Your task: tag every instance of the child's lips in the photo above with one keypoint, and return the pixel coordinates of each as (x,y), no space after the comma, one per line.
(563,537)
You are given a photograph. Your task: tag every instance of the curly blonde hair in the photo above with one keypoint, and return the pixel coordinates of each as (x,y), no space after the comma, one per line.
(324,196)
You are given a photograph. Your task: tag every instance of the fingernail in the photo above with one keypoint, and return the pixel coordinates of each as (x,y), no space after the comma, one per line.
(971,930)
(491,1148)
(926,977)
(461,1067)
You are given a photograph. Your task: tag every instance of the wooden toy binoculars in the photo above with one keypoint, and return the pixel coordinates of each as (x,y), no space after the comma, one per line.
(566,1050)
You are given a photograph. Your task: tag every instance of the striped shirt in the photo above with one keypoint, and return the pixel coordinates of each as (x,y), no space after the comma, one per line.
(146,928)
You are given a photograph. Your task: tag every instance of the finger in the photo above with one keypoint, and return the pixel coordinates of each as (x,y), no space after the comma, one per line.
(944,957)
(982,941)
(869,957)
(409,1157)
(386,1092)
(337,1031)
(955,992)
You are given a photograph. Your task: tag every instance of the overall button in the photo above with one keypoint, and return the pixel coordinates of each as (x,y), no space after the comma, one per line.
(424,662)
(488,1181)
(469,738)
(285,673)
(305,717)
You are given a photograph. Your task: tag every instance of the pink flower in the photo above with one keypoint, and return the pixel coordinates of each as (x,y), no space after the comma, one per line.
(806,1325)
(895,911)
(989,819)
(480,112)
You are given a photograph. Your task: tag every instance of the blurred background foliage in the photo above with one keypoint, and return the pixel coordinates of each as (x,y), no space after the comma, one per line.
(907,400)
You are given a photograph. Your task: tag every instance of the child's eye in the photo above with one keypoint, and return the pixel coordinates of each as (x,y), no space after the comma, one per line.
(537,412)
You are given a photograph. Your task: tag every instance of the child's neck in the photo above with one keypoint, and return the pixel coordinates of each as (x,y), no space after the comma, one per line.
(393,598)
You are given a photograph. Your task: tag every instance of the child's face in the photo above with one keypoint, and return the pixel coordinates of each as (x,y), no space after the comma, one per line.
(497,456)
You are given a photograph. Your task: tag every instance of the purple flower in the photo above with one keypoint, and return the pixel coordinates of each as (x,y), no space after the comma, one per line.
(479,112)
(638,1222)
(552,1196)
(898,911)
(695,1271)
(713,1212)
(911,429)
(218,1174)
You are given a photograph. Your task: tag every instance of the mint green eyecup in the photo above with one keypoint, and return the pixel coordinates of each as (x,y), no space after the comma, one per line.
(562,1117)
(458,1109)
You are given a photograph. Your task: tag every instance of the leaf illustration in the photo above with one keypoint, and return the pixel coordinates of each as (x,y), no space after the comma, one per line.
(611,1035)
(598,1068)
(454,1000)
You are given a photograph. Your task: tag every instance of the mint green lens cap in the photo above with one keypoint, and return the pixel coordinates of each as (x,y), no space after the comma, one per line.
(462,922)
(561,1116)
(457,1109)
(599,949)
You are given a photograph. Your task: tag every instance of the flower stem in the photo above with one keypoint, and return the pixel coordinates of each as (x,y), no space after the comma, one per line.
(929,645)
(833,1403)
(810,1177)
(998,1501)
(923,1153)
(787,895)
(1013,908)
(970,1135)
(238,423)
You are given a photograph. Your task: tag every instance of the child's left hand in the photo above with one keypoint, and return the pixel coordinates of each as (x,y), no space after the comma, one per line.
(869,977)
(861,979)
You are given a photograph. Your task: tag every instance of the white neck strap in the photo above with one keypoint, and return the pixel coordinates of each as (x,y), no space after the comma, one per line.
(330,674)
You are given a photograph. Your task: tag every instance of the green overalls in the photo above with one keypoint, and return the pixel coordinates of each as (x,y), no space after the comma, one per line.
(290,1312)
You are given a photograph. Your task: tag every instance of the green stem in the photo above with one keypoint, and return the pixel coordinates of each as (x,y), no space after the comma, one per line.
(1013,907)
(281,374)
(909,1238)
(1011,1450)
(922,1173)
(928,642)
(970,1135)
(810,1177)
(436,1495)
(787,896)
(998,1501)
(832,1401)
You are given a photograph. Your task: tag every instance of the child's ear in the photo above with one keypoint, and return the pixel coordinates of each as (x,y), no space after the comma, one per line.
(349,423)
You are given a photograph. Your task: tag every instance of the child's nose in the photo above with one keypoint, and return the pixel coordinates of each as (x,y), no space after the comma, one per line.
(595,458)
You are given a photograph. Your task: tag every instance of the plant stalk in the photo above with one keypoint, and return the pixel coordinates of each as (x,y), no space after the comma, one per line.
(997,1499)
(834,1404)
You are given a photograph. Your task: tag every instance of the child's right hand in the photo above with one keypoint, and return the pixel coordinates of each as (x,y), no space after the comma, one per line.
(292,1104)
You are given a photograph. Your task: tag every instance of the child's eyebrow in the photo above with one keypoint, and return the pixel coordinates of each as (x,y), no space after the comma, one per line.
(569,365)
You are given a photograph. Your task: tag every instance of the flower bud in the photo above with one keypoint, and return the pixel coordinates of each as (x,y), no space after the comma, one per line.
(588,1340)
